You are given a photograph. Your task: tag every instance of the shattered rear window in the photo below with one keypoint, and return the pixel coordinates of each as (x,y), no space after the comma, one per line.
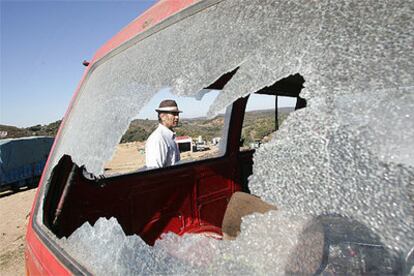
(350,152)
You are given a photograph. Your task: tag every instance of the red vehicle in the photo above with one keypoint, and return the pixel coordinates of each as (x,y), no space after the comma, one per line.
(189,198)
(188,46)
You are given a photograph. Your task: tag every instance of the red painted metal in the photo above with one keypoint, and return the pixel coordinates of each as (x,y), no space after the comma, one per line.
(39,260)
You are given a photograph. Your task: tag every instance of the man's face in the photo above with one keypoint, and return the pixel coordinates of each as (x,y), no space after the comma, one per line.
(169,119)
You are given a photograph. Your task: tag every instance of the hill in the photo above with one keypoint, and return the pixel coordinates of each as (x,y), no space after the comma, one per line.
(257,125)
(37,130)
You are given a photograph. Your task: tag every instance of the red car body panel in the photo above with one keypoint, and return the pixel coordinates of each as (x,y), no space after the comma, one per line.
(39,260)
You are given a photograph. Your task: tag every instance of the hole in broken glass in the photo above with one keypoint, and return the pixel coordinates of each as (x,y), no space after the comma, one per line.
(265,112)
(267,109)
(196,136)
(264,115)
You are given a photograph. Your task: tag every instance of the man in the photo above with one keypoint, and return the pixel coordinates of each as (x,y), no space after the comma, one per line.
(160,148)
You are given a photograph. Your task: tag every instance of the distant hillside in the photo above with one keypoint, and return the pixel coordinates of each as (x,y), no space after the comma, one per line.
(37,130)
(139,130)
(258,125)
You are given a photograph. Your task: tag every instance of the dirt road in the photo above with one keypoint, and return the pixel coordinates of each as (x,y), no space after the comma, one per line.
(14,215)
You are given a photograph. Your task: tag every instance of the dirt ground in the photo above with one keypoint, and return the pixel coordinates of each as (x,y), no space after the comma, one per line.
(14,215)
(130,157)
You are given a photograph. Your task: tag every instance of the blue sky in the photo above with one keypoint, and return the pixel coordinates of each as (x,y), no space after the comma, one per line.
(198,108)
(43,44)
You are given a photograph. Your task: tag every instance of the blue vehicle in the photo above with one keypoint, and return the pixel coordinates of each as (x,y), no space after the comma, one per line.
(22,161)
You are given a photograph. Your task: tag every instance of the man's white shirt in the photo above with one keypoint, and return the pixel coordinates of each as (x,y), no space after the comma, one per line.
(161,149)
